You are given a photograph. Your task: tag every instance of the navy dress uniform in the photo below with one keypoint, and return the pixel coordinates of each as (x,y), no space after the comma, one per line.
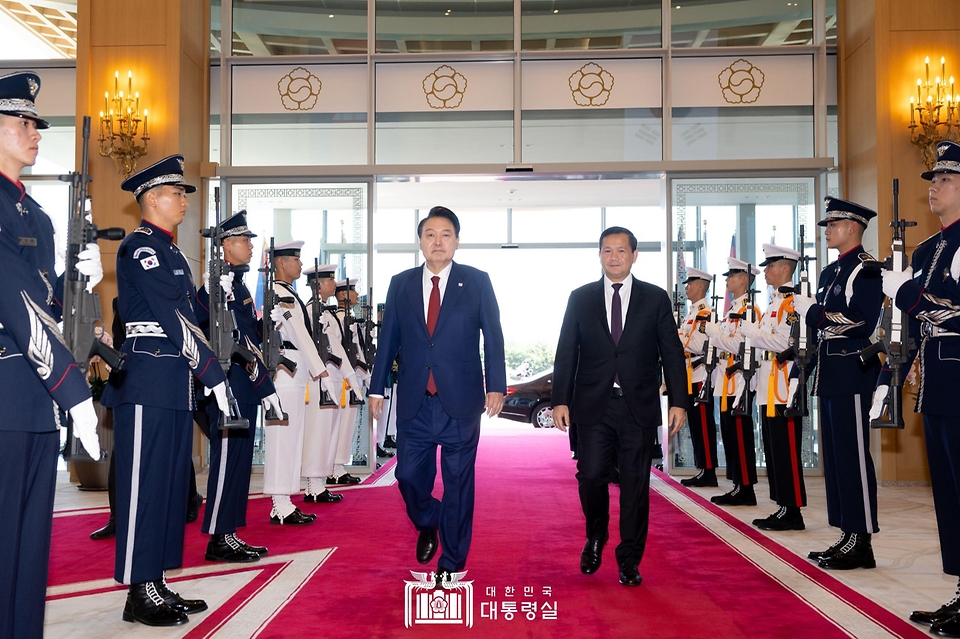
(322,423)
(782,435)
(348,412)
(153,402)
(231,450)
(737,431)
(931,297)
(38,380)
(846,312)
(703,426)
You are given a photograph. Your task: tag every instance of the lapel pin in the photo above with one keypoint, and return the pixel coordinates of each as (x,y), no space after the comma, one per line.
(459,283)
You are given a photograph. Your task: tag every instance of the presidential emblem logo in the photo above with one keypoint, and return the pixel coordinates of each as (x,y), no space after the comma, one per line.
(449,603)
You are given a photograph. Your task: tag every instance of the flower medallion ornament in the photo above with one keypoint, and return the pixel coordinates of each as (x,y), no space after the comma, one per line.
(741,82)
(591,85)
(299,90)
(444,88)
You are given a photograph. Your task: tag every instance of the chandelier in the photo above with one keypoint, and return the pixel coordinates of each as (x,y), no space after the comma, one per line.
(933,115)
(120,124)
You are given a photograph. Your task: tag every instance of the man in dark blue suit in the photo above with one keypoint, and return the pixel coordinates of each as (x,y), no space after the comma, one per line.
(434,316)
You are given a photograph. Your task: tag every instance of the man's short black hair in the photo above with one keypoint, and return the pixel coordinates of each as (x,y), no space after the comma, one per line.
(617,230)
(440,211)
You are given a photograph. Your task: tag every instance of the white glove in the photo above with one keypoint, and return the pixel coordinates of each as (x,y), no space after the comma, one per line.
(712,329)
(332,369)
(878,396)
(220,392)
(226,283)
(327,384)
(89,264)
(355,385)
(84,417)
(749,330)
(277,316)
(792,392)
(802,304)
(363,376)
(893,281)
(272,401)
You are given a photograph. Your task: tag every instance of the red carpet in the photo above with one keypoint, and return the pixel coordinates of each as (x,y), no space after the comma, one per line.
(528,533)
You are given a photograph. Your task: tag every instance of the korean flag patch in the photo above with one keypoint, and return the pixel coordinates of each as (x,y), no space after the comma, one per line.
(149,262)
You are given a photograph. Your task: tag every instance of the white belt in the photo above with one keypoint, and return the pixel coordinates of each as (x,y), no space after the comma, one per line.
(932,330)
(144,329)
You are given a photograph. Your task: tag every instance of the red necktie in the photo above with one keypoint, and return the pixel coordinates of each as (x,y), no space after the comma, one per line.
(433,312)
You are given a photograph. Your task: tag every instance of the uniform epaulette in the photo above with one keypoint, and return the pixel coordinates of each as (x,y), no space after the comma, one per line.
(866,257)
(144,230)
(937,234)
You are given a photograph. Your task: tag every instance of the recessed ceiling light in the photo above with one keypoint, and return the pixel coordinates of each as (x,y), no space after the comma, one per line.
(556,10)
(330,16)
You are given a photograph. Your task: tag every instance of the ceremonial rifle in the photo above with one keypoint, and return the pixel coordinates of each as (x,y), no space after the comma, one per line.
(81,310)
(895,338)
(705,395)
(320,339)
(224,335)
(272,356)
(349,347)
(747,362)
(802,341)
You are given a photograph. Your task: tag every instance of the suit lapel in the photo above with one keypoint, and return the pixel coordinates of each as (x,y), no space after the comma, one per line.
(451,294)
(415,295)
(601,306)
(634,306)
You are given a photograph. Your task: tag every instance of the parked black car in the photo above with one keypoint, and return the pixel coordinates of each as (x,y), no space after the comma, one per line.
(529,401)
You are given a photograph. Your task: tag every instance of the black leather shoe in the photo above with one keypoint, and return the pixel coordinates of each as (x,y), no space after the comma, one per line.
(629,575)
(331,481)
(817,555)
(703,479)
(944,612)
(784,520)
(193,509)
(739,496)
(592,554)
(384,453)
(145,605)
(389,442)
(856,553)
(326,497)
(108,531)
(573,455)
(226,548)
(427,543)
(296,518)
(347,479)
(764,520)
(259,551)
(949,627)
(175,601)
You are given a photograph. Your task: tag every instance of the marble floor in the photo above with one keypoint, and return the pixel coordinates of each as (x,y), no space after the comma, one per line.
(908,574)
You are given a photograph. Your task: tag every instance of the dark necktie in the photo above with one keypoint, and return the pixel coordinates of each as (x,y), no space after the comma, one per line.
(433,312)
(616,315)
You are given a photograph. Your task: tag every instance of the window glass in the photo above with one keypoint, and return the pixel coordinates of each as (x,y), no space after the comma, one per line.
(600,24)
(734,23)
(424,26)
(298,27)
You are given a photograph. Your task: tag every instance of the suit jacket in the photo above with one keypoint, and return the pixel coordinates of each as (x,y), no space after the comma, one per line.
(469,307)
(587,360)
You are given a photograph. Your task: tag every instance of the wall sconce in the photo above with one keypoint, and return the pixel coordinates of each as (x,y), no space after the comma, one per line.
(934,117)
(119,123)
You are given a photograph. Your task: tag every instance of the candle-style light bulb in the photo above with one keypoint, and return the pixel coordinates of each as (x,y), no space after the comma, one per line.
(145,112)
(927,63)
(912,121)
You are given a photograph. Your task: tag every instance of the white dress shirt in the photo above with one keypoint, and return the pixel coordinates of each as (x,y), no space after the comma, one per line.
(624,299)
(428,286)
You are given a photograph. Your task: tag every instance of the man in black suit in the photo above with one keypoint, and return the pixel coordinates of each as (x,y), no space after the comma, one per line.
(617,333)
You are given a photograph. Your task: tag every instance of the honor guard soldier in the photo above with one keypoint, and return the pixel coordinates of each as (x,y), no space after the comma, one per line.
(38,375)
(346,298)
(231,449)
(322,423)
(845,312)
(693,334)
(929,291)
(284,443)
(739,443)
(781,434)
(153,397)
